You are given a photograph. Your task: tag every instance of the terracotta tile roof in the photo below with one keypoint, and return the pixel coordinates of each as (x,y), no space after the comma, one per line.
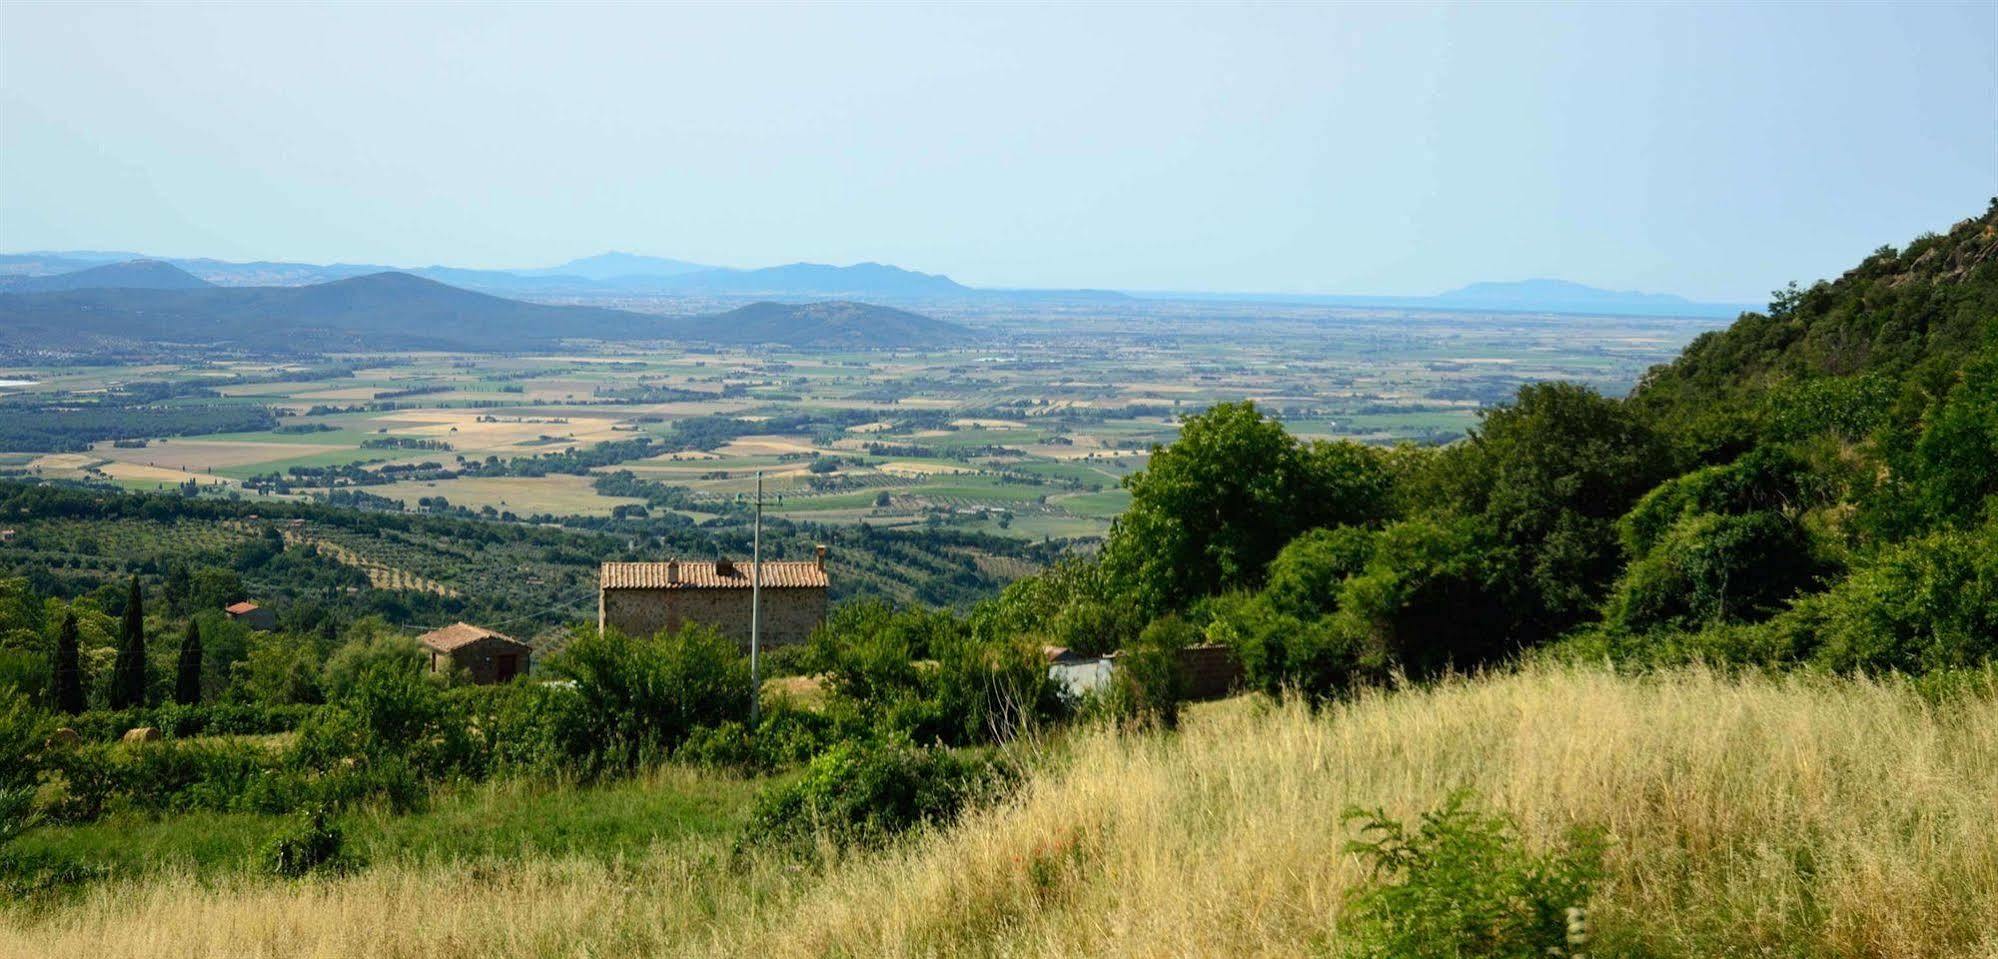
(806,574)
(460,634)
(240,608)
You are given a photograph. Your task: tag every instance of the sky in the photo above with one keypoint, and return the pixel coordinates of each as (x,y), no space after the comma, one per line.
(1715,151)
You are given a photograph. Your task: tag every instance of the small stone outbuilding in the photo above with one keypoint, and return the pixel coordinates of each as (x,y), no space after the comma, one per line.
(641,599)
(489,657)
(251,615)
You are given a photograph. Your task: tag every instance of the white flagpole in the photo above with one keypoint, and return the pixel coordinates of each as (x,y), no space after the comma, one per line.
(756,606)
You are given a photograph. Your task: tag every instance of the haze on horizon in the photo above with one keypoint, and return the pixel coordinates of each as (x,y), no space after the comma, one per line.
(1706,151)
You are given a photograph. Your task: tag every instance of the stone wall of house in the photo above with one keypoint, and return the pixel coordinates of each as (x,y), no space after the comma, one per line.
(481,659)
(789,615)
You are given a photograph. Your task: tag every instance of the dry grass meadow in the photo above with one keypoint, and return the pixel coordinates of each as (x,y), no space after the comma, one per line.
(1756,816)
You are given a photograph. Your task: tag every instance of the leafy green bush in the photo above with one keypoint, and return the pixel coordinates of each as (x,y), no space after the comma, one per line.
(1150,681)
(1710,568)
(1764,479)
(1460,884)
(1304,579)
(637,699)
(785,736)
(924,676)
(311,844)
(1930,603)
(1425,602)
(864,793)
(344,668)
(1280,653)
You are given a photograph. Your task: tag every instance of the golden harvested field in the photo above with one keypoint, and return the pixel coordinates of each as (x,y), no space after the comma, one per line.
(140,473)
(768,446)
(1768,817)
(525,496)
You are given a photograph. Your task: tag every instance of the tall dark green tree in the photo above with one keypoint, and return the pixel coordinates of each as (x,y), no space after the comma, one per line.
(128,674)
(187,675)
(68,675)
(1211,510)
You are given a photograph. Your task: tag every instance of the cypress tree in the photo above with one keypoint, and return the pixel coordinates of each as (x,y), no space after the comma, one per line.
(187,681)
(128,675)
(68,675)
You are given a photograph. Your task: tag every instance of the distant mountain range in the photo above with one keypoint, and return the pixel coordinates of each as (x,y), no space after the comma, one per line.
(126,275)
(614,275)
(397,311)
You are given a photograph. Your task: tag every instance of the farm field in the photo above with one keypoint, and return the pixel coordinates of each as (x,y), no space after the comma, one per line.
(1026,436)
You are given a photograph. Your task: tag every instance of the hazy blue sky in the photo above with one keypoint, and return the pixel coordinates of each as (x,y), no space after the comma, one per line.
(1714,151)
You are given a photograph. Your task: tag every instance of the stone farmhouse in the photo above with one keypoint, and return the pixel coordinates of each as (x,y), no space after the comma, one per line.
(489,657)
(251,615)
(640,599)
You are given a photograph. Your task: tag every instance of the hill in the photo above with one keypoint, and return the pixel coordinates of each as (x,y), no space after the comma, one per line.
(1928,306)
(836,324)
(1563,296)
(128,275)
(616,266)
(817,279)
(377,311)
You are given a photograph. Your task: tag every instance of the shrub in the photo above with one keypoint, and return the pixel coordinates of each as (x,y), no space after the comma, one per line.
(346,665)
(1305,577)
(310,844)
(637,699)
(786,736)
(1930,603)
(1764,479)
(1150,682)
(1424,603)
(862,793)
(1460,884)
(23,729)
(967,691)
(1280,653)
(1710,569)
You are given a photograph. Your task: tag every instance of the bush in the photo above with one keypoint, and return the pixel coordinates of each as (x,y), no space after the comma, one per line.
(346,665)
(1460,884)
(1930,603)
(861,793)
(1425,603)
(1305,577)
(638,699)
(786,736)
(1764,479)
(922,675)
(1150,681)
(310,844)
(1282,654)
(1709,569)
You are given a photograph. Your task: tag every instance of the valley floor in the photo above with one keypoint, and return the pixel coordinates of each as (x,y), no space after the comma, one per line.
(1745,816)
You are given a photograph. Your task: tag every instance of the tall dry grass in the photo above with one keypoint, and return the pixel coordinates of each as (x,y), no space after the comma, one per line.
(1787,817)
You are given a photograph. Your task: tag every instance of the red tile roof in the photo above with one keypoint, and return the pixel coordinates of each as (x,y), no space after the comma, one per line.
(807,574)
(461,634)
(239,609)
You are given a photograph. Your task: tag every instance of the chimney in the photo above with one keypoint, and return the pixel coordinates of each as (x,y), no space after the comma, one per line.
(820,551)
(672,571)
(724,567)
